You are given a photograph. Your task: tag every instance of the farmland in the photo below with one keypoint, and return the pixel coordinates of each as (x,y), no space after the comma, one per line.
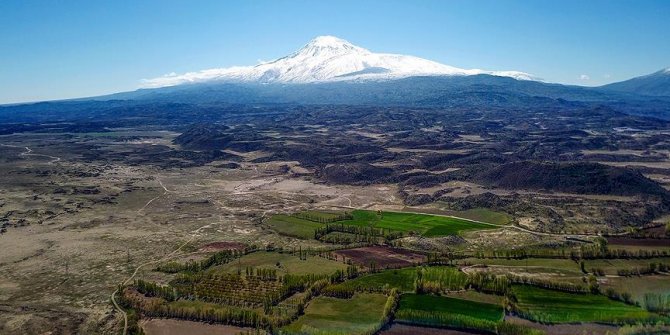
(440,278)
(560,307)
(293,226)
(429,310)
(402,329)
(283,263)
(312,291)
(303,225)
(263,236)
(469,308)
(618,266)
(423,224)
(381,257)
(340,316)
(638,286)
(179,327)
(402,279)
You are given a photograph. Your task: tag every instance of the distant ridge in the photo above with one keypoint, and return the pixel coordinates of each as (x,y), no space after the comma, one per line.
(655,84)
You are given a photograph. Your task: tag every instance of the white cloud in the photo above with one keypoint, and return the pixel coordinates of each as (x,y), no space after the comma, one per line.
(172,79)
(584,77)
(607,76)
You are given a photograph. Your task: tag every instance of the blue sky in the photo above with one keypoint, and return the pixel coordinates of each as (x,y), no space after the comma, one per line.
(53,49)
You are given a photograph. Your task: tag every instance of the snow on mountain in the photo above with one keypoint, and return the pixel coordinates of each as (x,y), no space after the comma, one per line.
(328,58)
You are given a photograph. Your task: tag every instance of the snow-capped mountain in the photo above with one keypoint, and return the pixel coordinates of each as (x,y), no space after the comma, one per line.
(655,84)
(328,58)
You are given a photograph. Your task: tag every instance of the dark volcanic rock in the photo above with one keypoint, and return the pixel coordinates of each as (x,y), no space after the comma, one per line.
(204,137)
(355,173)
(580,178)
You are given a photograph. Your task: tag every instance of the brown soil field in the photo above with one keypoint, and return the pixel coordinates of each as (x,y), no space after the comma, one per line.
(400,329)
(566,329)
(643,242)
(180,327)
(382,256)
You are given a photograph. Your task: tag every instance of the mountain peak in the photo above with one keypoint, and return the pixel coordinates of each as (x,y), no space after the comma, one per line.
(329,58)
(329,45)
(327,41)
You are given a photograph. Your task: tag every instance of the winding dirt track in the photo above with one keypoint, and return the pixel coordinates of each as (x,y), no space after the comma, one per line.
(29,152)
(237,192)
(164,258)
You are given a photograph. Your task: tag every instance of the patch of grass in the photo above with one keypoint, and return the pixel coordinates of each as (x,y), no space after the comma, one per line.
(426,225)
(423,224)
(639,286)
(292,226)
(610,266)
(482,214)
(565,267)
(287,264)
(431,303)
(357,315)
(477,296)
(402,279)
(560,307)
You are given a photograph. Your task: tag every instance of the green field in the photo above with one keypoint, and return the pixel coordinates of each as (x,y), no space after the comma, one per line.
(339,316)
(422,224)
(477,296)
(449,278)
(482,214)
(431,303)
(287,264)
(321,214)
(292,226)
(560,307)
(402,279)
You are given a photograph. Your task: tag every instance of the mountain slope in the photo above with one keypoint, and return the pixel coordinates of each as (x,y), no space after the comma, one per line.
(655,84)
(328,58)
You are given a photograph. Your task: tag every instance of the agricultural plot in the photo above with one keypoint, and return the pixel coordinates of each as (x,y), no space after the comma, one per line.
(423,224)
(638,286)
(477,297)
(228,289)
(402,329)
(326,315)
(293,226)
(484,215)
(557,269)
(639,242)
(381,257)
(179,327)
(283,263)
(304,224)
(437,278)
(402,279)
(614,266)
(566,265)
(431,303)
(429,310)
(551,306)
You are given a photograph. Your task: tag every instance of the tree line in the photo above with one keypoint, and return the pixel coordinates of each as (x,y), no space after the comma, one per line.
(323,218)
